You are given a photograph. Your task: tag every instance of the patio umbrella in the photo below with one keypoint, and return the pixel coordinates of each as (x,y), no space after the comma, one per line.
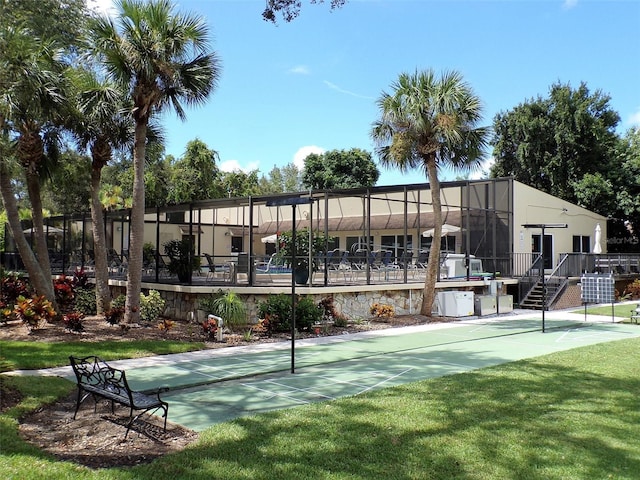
(446,230)
(270,239)
(597,248)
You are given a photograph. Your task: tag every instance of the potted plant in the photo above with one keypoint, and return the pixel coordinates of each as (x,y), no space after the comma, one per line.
(182,259)
(302,268)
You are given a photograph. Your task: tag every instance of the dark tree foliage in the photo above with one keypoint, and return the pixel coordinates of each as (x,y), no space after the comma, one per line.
(338,169)
(290,9)
(552,143)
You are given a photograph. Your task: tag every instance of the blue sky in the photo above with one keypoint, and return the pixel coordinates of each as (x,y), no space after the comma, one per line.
(310,85)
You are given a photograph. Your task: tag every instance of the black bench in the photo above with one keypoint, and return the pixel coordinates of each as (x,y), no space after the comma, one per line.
(96,378)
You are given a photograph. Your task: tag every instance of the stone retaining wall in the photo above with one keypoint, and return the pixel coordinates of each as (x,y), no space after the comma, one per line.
(356,305)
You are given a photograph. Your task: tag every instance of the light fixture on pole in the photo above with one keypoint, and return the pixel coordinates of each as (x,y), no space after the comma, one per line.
(544,283)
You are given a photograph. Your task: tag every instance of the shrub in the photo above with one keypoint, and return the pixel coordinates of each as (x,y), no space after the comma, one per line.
(73,321)
(331,314)
(64,288)
(307,313)
(114,315)
(382,310)
(13,286)
(85,301)
(80,278)
(210,327)
(34,311)
(165,325)
(230,307)
(119,301)
(276,313)
(151,306)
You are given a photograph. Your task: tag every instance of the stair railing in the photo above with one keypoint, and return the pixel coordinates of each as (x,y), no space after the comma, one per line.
(530,277)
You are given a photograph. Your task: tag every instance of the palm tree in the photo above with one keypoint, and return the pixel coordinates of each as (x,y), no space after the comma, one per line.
(102,125)
(32,108)
(429,122)
(162,59)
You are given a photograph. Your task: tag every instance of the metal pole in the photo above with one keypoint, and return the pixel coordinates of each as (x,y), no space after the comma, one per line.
(293,290)
(544,285)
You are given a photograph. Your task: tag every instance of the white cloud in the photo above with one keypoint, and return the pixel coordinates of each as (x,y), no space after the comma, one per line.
(102,6)
(300,70)
(234,165)
(569,4)
(304,152)
(335,87)
(634,119)
(483,171)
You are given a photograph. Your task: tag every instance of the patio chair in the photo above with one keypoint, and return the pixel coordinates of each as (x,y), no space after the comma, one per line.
(387,265)
(216,270)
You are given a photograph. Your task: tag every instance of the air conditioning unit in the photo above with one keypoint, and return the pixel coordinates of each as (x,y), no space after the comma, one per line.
(455,304)
(485,305)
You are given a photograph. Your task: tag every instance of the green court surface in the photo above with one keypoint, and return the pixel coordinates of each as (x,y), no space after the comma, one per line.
(218,386)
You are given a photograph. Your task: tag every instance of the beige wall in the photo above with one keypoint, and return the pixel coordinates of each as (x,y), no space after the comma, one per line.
(532,206)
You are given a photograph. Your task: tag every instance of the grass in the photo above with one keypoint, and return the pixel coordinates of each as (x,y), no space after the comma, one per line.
(569,415)
(619,310)
(19,355)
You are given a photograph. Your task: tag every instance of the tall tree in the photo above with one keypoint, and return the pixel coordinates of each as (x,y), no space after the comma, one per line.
(102,125)
(239,183)
(163,59)
(429,122)
(290,9)
(195,176)
(32,108)
(281,180)
(551,143)
(337,169)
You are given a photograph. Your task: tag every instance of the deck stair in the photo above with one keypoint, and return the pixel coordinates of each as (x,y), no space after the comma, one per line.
(534,298)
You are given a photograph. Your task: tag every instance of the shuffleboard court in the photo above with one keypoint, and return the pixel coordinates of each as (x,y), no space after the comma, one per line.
(221,387)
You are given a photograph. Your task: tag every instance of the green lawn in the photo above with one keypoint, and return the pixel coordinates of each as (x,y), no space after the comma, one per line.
(21,355)
(569,415)
(619,310)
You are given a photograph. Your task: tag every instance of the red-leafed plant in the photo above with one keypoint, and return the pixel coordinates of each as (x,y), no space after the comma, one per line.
(73,321)
(34,311)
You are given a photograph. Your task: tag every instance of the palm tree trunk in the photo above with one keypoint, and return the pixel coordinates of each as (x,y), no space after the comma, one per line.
(42,252)
(103,294)
(41,283)
(134,273)
(429,293)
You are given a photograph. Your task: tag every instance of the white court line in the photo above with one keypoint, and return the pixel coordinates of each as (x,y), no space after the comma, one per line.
(303,390)
(385,380)
(278,395)
(591,333)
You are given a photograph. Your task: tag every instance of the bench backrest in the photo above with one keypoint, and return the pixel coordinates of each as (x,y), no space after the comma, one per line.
(94,372)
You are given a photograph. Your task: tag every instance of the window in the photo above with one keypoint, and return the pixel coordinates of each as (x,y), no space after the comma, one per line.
(581,244)
(236,244)
(356,243)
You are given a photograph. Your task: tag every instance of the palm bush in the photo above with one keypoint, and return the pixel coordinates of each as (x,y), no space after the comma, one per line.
(230,307)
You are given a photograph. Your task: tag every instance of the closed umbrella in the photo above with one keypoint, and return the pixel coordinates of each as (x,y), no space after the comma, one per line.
(597,247)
